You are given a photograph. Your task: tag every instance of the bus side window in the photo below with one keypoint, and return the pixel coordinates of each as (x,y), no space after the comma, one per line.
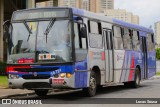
(80,42)
(127,39)
(118,43)
(95,34)
(150,40)
(136,41)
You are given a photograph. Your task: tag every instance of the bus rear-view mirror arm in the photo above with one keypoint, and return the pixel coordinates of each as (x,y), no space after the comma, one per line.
(83,32)
(6,30)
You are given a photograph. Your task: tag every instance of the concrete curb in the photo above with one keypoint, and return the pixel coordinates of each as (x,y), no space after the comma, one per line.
(28,94)
(15,95)
(155,77)
(3,87)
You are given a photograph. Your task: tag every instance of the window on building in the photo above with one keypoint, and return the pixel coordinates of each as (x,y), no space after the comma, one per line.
(118,43)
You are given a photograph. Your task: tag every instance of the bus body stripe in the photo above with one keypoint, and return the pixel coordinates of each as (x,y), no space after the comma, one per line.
(131,69)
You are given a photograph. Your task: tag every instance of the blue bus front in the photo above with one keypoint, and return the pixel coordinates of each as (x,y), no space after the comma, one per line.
(41,51)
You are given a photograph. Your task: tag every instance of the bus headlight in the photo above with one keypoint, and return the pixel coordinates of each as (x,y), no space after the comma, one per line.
(62,75)
(68,75)
(13,76)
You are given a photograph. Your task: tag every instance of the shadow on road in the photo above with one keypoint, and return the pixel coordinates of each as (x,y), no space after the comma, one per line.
(79,95)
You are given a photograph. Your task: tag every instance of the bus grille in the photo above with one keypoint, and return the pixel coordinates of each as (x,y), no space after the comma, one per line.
(31,85)
(42,76)
(36,69)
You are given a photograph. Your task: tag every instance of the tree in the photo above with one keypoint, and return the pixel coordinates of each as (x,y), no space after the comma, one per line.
(158,53)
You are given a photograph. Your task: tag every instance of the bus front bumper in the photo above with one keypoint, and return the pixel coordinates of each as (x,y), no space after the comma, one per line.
(50,83)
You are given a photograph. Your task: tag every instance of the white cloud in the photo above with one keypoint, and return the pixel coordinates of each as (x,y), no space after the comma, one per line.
(148,10)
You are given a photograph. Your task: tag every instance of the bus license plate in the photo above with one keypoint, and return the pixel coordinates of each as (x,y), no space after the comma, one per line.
(57,81)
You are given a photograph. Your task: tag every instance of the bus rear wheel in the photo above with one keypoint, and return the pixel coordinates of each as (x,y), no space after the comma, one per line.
(41,92)
(136,82)
(91,90)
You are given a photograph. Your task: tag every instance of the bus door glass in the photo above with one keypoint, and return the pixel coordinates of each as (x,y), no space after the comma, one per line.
(144,57)
(109,55)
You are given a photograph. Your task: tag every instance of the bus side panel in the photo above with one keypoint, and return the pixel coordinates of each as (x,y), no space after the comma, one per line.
(81,74)
(151,63)
(126,63)
(119,63)
(81,79)
(127,67)
(138,61)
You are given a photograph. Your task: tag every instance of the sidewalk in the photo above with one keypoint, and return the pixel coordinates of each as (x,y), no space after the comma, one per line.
(155,77)
(4,92)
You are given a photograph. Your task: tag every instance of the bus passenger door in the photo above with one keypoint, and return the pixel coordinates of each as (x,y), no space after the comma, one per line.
(144,57)
(109,55)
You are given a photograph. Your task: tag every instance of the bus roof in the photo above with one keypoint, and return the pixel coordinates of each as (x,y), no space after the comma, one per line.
(110,20)
(92,15)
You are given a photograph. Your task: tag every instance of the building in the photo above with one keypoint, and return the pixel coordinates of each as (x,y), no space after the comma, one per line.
(41,4)
(135,19)
(1,29)
(122,14)
(6,9)
(49,3)
(105,4)
(157,33)
(70,3)
(85,5)
(98,6)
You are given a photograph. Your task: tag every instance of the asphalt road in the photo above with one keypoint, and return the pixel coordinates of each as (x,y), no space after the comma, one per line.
(148,89)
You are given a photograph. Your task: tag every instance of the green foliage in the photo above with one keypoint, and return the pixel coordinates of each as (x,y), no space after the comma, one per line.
(3,68)
(3,81)
(158,73)
(158,53)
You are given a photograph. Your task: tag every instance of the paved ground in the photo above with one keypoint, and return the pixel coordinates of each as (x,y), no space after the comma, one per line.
(148,89)
(18,92)
(13,92)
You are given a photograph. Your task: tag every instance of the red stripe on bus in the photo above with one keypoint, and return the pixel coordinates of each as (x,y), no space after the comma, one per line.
(131,67)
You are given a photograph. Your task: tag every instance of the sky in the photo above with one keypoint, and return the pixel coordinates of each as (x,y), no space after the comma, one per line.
(147,10)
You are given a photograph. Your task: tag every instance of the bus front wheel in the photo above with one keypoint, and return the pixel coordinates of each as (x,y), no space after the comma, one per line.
(41,92)
(91,90)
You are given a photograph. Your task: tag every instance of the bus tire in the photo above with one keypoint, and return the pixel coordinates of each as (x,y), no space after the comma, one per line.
(91,90)
(41,92)
(136,82)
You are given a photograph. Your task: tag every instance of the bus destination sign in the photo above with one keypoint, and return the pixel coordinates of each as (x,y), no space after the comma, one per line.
(40,13)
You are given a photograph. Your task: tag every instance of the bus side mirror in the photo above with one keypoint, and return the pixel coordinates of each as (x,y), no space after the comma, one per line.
(6,25)
(83,32)
(5,36)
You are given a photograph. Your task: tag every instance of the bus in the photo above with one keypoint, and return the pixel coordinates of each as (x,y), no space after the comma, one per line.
(70,48)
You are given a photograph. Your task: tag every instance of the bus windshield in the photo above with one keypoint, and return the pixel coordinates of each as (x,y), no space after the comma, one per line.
(35,44)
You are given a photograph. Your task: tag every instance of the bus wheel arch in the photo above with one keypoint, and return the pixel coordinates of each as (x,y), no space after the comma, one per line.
(94,81)
(98,74)
(138,66)
(137,77)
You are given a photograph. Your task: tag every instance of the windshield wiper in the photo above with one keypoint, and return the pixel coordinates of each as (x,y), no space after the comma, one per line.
(49,27)
(29,30)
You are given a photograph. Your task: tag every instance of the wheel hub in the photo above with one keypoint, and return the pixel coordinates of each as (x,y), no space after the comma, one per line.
(92,83)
